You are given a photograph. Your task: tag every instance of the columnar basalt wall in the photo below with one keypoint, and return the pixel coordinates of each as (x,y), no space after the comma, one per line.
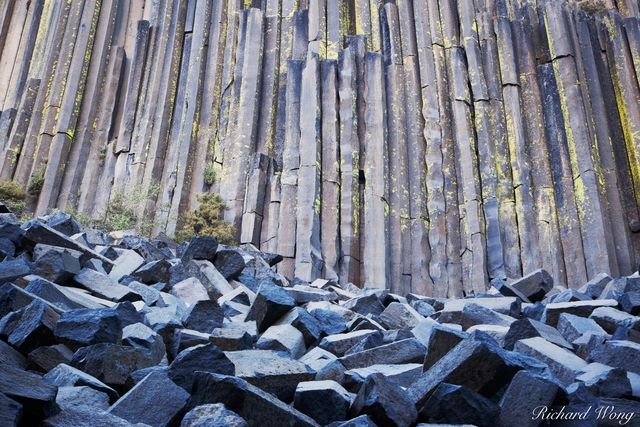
(418,145)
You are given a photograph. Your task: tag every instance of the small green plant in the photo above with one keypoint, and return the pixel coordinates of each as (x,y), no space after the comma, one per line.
(209,174)
(102,155)
(84,220)
(593,6)
(12,195)
(36,183)
(123,211)
(207,220)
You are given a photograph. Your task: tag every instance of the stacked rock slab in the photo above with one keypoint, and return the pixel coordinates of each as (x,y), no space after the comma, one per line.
(151,333)
(419,146)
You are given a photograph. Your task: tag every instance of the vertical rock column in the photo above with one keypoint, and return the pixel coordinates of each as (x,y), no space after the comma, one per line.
(236,161)
(434,203)
(330,158)
(419,248)
(375,256)
(309,263)
(519,156)
(349,167)
(582,150)
(398,183)
(546,220)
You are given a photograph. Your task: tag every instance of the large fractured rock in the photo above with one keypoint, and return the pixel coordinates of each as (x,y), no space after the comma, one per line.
(78,328)
(190,291)
(529,328)
(254,405)
(58,265)
(454,404)
(402,375)
(138,335)
(474,314)
(51,293)
(365,305)
(206,358)
(619,354)
(525,393)
(153,272)
(126,263)
(104,286)
(67,376)
(553,311)
(604,381)
(203,316)
(399,352)
(441,340)
(33,328)
(509,306)
(85,416)
(534,286)
(111,363)
(38,232)
(385,402)
(324,401)
(610,319)
(573,327)
(155,401)
(270,371)
(564,364)
(229,263)
(69,398)
(14,269)
(282,338)
(10,411)
(201,248)
(398,316)
(300,319)
(212,415)
(48,357)
(36,396)
(271,303)
(338,344)
(475,363)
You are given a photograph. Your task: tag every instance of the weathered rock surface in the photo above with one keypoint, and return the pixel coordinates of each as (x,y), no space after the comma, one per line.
(201,350)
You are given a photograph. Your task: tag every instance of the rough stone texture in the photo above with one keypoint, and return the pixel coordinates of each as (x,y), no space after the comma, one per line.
(475,363)
(67,376)
(282,338)
(212,415)
(270,304)
(254,405)
(534,285)
(385,402)
(324,401)
(404,351)
(36,396)
(155,401)
(270,371)
(69,398)
(206,358)
(573,327)
(619,354)
(10,411)
(525,393)
(454,404)
(564,364)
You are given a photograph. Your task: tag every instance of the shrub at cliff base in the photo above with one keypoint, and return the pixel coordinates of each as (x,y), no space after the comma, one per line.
(12,195)
(206,221)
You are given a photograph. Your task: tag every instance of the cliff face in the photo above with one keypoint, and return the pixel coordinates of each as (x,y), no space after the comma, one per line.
(422,145)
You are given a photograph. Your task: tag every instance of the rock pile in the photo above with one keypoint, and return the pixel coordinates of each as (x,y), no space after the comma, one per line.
(118,330)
